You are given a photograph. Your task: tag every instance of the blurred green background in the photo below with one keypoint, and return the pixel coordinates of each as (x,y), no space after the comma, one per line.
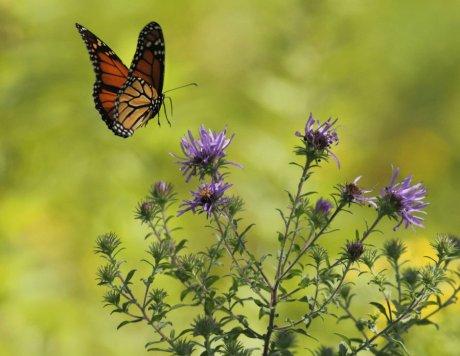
(389,70)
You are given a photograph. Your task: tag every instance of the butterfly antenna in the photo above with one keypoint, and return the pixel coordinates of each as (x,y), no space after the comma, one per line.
(182,86)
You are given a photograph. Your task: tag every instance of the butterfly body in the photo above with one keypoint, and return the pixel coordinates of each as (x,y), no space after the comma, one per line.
(128,98)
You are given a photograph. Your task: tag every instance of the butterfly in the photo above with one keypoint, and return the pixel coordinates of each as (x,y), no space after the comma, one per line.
(128,98)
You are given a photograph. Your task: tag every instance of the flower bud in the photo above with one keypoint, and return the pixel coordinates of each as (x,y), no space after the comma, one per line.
(354,250)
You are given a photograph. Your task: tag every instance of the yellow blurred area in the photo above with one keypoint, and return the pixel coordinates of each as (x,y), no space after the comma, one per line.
(389,70)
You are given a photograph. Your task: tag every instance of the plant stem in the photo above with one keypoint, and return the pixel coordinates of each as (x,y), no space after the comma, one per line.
(321,307)
(398,281)
(291,215)
(390,325)
(144,313)
(309,243)
(352,317)
(274,289)
(251,256)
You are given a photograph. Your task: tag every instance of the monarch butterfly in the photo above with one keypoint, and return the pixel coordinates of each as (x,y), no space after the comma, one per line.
(128,99)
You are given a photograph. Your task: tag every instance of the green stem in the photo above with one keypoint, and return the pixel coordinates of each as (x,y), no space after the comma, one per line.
(398,281)
(251,256)
(144,313)
(390,325)
(352,317)
(274,289)
(291,215)
(323,305)
(310,242)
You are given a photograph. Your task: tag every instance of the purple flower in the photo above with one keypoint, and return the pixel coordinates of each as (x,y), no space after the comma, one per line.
(205,155)
(208,198)
(403,200)
(323,206)
(320,139)
(351,193)
(319,214)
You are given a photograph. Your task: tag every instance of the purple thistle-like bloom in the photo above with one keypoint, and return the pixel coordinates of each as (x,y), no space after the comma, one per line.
(208,198)
(323,206)
(351,193)
(404,200)
(204,155)
(321,138)
(320,213)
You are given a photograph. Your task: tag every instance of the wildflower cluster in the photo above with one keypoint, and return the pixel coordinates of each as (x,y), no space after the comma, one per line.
(226,282)
(205,158)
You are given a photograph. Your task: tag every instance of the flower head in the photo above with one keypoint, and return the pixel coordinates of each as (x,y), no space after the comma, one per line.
(354,250)
(205,155)
(394,249)
(352,193)
(404,201)
(146,211)
(319,140)
(162,192)
(323,206)
(208,198)
(319,214)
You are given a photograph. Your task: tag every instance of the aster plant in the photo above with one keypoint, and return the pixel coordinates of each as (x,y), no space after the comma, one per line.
(236,288)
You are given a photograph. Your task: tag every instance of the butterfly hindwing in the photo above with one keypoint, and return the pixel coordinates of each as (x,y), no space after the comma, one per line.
(137,102)
(110,71)
(149,59)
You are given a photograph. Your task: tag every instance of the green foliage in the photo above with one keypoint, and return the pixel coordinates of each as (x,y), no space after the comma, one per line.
(214,281)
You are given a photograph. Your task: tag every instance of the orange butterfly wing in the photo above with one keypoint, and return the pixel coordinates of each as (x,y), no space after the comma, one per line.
(137,102)
(141,97)
(149,59)
(110,71)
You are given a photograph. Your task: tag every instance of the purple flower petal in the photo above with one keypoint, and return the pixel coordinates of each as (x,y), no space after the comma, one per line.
(207,198)
(405,200)
(204,155)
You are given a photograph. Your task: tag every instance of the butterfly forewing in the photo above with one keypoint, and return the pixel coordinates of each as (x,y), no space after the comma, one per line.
(110,71)
(149,60)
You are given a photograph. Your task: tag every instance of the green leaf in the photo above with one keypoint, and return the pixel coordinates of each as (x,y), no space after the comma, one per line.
(381,308)
(211,280)
(184,293)
(209,306)
(344,338)
(426,322)
(342,350)
(280,237)
(129,276)
(246,230)
(263,311)
(260,303)
(125,306)
(304,333)
(180,245)
(341,318)
(282,216)
(123,323)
